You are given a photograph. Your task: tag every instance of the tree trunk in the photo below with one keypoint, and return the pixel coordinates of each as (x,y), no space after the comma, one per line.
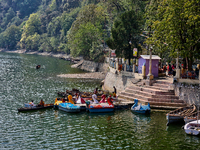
(190,61)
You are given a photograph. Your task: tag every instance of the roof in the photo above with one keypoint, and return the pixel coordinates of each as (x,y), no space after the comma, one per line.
(148,57)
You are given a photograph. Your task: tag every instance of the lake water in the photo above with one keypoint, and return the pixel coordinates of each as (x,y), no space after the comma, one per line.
(20,82)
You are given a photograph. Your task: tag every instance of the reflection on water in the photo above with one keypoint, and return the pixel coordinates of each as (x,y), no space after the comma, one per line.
(54,129)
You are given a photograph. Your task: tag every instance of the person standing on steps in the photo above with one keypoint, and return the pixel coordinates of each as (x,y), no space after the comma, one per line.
(115,90)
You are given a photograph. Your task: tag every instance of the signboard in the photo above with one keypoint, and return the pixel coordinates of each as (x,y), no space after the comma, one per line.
(113,53)
(135,52)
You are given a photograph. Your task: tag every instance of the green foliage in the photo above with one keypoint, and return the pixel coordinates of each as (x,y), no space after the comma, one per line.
(86,33)
(77,27)
(125,34)
(10,37)
(86,42)
(33,25)
(33,42)
(31,31)
(176,25)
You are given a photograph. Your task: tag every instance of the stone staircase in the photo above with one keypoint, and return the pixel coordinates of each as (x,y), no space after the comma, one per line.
(159,95)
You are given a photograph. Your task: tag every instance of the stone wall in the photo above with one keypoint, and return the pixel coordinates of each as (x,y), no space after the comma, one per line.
(187,92)
(93,66)
(119,80)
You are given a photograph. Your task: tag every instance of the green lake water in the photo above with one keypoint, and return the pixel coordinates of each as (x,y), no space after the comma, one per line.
(20,82)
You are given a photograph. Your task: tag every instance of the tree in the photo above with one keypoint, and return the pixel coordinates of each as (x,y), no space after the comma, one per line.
(86,33)
(125,34)
(176,24)
(32,26)
(86,42)
(33,42)
(11,36)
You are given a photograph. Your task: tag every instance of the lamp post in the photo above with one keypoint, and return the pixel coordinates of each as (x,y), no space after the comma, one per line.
(150,76)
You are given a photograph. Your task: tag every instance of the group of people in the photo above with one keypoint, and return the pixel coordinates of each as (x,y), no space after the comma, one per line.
(41,104)
(109,100)
(77,99)
(169,68)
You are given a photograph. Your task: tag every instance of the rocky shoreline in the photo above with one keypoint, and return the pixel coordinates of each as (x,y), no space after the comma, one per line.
(91,75)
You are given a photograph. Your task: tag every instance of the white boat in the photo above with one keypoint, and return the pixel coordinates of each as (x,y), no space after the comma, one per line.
(193,128)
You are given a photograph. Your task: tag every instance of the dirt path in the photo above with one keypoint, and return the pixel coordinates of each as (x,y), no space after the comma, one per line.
(93,75)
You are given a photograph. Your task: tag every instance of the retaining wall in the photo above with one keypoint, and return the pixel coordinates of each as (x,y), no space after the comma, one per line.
(93,66)
(119,80)
(189,93)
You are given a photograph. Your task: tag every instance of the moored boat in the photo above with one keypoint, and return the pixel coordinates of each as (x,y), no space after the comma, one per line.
(68,107)
(101,107)
(191,117)
(32,108)
(193,127)
(96,107)
(142,109)
(58,101)
(179,114)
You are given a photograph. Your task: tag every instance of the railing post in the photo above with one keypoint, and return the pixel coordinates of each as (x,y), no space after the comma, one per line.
(133,68)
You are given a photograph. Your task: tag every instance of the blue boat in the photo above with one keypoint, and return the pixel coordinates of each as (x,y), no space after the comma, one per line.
(68,107)
(142,109)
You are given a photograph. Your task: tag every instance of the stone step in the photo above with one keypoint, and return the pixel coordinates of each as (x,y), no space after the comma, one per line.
(163,82)
(138,92)
(131,96)
(167,104)
(156,87)
(165,100)
(159,95)
(152,94)
(166,96)
(160,85)
(163,104)
(150,90)
(143,88)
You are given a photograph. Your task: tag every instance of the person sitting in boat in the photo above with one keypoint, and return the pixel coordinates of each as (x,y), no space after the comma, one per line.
(41,103)
(63,101)
(96,91)
(103,100)
(94,98)
(70,99)
(31,103)
(38,67)
(109,100)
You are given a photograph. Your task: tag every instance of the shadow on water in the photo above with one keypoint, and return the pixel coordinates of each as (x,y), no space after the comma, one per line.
(100,114)
(139,117)
(35,111)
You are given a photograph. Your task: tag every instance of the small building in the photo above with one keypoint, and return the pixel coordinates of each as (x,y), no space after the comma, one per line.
(144,60)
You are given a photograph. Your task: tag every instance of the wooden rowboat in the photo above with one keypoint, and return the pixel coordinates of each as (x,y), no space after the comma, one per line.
(194,116)
(179,114)
(33,108)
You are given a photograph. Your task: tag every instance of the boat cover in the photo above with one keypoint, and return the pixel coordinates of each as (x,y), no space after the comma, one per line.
(69,106)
